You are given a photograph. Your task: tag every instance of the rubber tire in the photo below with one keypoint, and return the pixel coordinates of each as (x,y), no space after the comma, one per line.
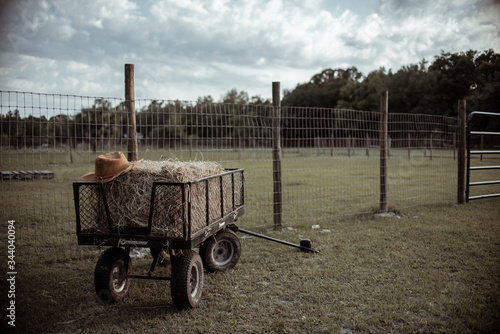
(187,279)
(111,290)
(221,251)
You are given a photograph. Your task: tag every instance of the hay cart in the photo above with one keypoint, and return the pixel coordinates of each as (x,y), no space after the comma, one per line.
(182,217)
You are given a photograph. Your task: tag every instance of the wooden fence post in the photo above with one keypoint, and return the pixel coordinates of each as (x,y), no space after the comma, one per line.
(425,147)
(389,146)
(367,144)
(454,146)
(277,198)
(430,147)
(349,145)
(332,144)
(409,146)
(132,147)
(384,101)
(462,149)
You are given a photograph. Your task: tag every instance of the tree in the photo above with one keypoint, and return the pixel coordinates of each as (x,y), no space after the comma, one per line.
(484,93)
(323,90)
(13,128)
(98,124)
(257,100)
(234,97)
(364,95)
(452,75)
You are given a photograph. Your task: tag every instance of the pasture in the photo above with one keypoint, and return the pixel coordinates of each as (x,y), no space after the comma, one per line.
(317,185)
(436,268)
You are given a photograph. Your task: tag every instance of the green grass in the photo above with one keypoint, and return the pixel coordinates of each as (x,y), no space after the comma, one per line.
(315,186)
(436,269)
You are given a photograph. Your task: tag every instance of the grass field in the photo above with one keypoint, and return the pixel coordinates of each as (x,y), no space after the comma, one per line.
(315,186)
(434,269)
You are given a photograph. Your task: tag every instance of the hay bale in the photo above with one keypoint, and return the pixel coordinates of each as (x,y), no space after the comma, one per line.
(129,196)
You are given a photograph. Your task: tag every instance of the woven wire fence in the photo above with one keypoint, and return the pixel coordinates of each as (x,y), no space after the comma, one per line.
(330,157)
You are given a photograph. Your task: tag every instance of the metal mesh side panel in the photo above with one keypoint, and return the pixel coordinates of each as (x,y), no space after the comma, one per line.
(93,217)
(199,218)
(214,199)
(169,216)
(198,206)
(227,194)
(238,189)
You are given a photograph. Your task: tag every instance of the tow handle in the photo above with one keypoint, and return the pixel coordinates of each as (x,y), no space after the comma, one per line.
(305,244)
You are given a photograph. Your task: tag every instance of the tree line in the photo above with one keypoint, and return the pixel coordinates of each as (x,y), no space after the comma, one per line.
(421,88)
(416,89)
(159,123)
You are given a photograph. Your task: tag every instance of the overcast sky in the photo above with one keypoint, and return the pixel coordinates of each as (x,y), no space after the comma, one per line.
(184,49)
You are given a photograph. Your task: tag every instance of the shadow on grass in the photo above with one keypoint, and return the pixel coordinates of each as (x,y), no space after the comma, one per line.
(60,297)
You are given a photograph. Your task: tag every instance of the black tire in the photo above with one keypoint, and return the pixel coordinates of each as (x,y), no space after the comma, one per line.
(221,251)
(110,285)
(187,279)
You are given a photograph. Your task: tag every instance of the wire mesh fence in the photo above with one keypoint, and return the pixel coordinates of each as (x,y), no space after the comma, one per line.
(330,157)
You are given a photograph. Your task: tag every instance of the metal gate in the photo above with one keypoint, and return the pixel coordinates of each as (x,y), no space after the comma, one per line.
(481,151)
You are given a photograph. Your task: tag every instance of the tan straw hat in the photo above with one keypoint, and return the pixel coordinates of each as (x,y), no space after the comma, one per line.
(108,166)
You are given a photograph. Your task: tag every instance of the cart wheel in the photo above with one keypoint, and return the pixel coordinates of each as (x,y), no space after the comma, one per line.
(221,251)
(109,283)
(187,279)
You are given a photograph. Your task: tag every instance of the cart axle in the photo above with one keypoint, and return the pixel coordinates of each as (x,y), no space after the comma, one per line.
(159,278)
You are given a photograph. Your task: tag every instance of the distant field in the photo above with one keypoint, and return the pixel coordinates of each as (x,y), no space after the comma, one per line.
(318,185)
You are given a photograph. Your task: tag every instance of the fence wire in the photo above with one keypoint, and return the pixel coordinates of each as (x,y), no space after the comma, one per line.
(330,157)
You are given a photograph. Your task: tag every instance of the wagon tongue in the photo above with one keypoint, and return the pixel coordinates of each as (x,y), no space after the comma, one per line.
(305,244)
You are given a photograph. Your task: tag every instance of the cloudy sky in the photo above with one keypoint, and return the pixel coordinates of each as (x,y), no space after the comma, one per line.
(184,49)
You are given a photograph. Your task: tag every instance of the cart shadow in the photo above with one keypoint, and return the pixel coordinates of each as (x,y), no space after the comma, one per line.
(93,314)
(146,301)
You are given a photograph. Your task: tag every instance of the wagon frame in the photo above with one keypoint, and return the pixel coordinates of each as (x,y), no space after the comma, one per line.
(219,246)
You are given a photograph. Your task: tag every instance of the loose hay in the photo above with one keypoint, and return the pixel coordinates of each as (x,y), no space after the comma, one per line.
(129,196)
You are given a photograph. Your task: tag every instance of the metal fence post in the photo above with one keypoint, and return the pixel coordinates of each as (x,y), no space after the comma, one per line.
(132,146)
(384,141)
(277,198)
(461,144)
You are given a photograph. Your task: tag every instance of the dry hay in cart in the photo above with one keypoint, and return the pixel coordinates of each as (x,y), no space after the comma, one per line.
(129,196)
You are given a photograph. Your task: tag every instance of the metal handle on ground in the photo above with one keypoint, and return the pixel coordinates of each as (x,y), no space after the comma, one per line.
(235,228)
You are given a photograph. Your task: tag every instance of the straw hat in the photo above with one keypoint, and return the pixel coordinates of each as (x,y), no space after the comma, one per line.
(108,166)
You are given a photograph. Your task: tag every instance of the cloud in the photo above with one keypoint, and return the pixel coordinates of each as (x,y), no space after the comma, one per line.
(186,49)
